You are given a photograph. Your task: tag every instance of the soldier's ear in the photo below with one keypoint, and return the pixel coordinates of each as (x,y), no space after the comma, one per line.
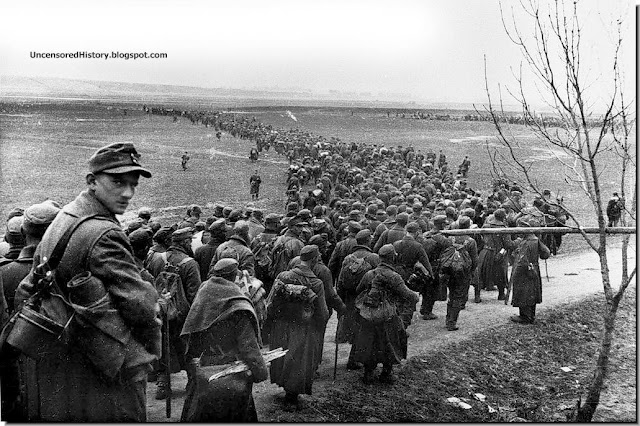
(91,180)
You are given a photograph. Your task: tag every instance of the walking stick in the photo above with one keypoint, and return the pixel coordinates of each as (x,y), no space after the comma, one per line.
(546,271)
(167,356)
(335,360)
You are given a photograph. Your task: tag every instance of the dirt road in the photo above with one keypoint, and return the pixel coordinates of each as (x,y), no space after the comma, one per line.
(571,277)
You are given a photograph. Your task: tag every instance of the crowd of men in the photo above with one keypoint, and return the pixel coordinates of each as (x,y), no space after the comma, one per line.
(365,241)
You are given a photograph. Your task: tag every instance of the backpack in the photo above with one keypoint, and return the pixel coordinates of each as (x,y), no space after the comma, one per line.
(279,261)
(168,280)
(455,259)
(256,292)
(262,253)
(353,269)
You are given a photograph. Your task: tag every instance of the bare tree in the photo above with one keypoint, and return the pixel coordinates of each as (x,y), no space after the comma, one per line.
(552,54)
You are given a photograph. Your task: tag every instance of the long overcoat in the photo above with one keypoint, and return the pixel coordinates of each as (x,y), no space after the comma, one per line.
(525,276)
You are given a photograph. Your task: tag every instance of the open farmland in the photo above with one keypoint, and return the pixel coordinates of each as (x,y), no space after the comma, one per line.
(45,145)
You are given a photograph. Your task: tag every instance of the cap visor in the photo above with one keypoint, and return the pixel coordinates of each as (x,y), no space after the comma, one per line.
(126,169)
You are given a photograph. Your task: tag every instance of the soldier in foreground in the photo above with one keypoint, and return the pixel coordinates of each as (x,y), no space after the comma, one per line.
(69,386)
(382,340)
(222,320)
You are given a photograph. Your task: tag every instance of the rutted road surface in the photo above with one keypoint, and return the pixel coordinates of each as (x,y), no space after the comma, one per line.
(571,278)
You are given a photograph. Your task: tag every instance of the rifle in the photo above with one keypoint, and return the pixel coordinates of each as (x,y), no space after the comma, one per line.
(167,361)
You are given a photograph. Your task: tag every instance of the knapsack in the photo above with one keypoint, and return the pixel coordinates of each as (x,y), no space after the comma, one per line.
(455,259)
(262,253)
(169,280)
(279,262)
(353,269)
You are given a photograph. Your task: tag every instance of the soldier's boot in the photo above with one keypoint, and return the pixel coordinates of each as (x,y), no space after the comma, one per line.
(452,318)
(501,295)
(387,374)
(476,293)
(162,386)
(368,375)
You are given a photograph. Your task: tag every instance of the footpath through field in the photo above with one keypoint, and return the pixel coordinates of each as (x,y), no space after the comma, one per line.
(571,278)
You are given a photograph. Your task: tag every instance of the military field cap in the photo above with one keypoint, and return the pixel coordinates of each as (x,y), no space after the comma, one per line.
(402,218)
(309,252)
(272,218)
(372,209)
(297,221)
(317,210)
(464,222)
(195,208)
(386,250)
(354,226)
(500,214)
(16,211)
(354,213)
(133,225)
(380,212)
(226,210)
(226,266)
(318,240)
(182,234)
(140,236)
(469,212)
(144,212)
(412,227)
(363,236)
(417,206)
(304,213)
(14,225)
(392,210)
(117,158)
(40,214)
(163,233)
(440,219)
(241,226)
(235,215)
(450,211)
(219,225)
(200,225)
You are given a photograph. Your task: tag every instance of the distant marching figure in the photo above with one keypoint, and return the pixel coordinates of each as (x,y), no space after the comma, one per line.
(185,160)
(253,155)
(255,182)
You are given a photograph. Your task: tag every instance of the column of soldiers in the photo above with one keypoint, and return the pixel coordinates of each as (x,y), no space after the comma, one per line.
(374,223)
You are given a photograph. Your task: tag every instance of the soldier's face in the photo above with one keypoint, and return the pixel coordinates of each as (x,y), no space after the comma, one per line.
(114,191)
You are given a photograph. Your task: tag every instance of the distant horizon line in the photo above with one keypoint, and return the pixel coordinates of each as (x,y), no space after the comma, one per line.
(364,96)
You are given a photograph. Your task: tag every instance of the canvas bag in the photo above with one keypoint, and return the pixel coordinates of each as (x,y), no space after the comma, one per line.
(168,280)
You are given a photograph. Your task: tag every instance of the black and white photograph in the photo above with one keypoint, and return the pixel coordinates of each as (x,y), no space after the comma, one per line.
(336,211)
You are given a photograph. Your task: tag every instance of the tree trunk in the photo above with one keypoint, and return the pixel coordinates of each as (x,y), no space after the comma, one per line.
(586,411)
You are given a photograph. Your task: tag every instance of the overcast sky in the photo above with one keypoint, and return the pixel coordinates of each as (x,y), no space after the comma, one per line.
(429,50)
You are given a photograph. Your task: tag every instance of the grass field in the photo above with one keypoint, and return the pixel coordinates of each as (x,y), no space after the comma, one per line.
(45,145)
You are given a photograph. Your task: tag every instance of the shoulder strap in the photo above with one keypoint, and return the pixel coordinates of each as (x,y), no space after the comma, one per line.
(58,251)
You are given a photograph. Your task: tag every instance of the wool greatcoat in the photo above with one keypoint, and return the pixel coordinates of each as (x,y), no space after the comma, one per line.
(492,269)
(386,342)
(409,252)
(296,370)
(65,386)
(525,277)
